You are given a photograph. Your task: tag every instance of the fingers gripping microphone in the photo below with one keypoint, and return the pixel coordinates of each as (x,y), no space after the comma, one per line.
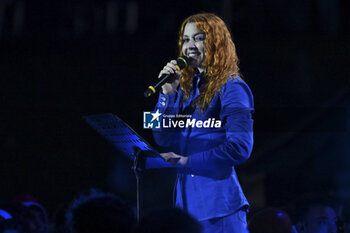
(182,62)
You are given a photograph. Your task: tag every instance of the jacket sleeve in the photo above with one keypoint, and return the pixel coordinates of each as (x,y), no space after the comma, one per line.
(167,105)
(236,115)
(164,137)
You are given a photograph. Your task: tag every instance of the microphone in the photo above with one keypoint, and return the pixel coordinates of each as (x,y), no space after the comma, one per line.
(182,62)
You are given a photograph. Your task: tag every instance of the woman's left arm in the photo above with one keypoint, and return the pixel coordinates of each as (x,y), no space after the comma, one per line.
(236,114)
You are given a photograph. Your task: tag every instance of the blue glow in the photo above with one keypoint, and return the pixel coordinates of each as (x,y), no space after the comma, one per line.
(280,214)
(5,214)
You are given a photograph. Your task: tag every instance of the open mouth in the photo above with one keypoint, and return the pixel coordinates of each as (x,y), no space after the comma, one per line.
(193,55)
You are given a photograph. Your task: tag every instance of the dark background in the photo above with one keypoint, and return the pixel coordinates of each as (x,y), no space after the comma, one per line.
(63,60)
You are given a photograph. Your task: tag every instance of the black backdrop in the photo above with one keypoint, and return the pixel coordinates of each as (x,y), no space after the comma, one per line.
(62,60)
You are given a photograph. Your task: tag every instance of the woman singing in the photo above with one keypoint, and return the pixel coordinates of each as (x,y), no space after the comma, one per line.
(208,91)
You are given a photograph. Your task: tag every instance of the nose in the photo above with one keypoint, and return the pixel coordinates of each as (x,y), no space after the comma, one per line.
(191,44)
(191,47)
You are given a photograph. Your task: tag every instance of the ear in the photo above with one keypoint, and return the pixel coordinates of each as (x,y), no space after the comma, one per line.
(301,227)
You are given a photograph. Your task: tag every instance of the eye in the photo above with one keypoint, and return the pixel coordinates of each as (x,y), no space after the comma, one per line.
(185,40)
(199,37)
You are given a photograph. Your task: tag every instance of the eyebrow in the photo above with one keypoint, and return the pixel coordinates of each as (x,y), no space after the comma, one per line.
(194,34)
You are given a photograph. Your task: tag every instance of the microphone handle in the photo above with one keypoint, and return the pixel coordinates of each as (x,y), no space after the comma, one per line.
(156,87)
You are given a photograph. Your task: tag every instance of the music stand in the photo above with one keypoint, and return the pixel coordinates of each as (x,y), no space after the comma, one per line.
(126,140)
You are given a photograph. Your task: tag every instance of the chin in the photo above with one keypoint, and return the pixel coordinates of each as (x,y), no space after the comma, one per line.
(195,65)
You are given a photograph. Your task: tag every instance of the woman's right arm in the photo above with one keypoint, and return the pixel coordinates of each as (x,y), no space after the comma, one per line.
(167,105)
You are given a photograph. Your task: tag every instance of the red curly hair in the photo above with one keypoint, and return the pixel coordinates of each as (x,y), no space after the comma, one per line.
(220,62)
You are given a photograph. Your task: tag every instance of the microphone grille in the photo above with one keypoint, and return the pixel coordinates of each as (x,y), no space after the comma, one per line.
(182,62)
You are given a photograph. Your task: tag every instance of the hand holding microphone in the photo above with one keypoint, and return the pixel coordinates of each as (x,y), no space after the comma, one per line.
(173,81)
(169,77)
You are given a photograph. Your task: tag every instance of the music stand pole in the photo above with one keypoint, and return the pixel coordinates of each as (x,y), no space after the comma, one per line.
(139,165)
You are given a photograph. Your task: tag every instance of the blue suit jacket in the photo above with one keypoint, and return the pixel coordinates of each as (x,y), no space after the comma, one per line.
(208,186)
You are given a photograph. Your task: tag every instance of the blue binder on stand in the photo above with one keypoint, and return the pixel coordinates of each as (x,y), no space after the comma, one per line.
(125,139)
